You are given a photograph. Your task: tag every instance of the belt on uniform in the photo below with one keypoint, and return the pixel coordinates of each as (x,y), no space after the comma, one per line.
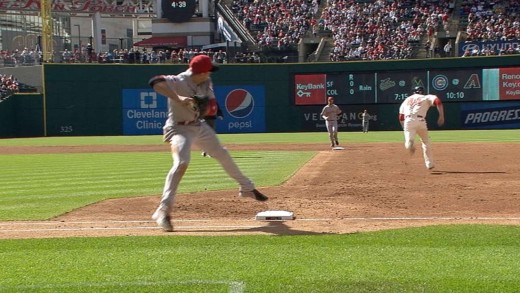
(414,116)
(195,122)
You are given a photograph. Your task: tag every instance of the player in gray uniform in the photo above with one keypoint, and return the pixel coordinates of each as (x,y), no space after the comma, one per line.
(331,113)
(366,121)
(185,126)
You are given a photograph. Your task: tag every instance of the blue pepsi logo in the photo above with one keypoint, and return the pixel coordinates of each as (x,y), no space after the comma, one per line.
(239,103)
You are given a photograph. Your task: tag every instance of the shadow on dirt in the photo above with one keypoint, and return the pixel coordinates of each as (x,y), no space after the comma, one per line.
(273,227)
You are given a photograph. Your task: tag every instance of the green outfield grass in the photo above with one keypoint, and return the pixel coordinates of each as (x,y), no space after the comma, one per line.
(512,135)
(455,258)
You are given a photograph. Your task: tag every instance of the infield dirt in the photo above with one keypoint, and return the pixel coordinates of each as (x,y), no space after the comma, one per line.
(366,187)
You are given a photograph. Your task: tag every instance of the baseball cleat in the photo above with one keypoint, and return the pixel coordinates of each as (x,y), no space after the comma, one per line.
(254,194)
(337,142)
(163,220)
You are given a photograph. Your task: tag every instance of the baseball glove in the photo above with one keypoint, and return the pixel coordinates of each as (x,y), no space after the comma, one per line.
(201,105)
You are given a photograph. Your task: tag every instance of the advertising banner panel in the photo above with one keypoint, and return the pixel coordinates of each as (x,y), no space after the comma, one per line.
(243,108)
(144,112)
(499,115)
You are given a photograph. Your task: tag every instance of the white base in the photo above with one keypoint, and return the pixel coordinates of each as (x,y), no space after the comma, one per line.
(338,148)
(274,216)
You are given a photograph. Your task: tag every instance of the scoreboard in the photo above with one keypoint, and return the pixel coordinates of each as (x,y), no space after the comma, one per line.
(395,86)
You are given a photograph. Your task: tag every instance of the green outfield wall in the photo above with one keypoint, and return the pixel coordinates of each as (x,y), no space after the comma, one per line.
(115,99)
(21,115)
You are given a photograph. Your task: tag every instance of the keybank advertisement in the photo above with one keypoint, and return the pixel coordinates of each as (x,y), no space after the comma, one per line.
(144,112)
(490,115)
(243,108)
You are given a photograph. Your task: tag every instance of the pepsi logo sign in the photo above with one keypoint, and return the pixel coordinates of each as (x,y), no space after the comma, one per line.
(239,103)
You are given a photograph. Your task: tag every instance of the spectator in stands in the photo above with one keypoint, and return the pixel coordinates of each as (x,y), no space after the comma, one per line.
(220,57)
(66,56)
(447,49)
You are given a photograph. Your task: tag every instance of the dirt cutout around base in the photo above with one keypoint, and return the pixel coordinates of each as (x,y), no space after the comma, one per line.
(365,187)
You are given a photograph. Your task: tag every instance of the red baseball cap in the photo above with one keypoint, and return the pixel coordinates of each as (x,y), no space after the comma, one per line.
(202,64)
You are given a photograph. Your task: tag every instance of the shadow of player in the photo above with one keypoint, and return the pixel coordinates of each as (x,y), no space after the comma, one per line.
(272,227)
(441,172)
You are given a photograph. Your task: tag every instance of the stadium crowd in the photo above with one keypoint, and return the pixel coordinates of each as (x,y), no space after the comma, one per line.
(8,86)
(24,57)
(360,30)
(493,21)
(381,30)
(278,24)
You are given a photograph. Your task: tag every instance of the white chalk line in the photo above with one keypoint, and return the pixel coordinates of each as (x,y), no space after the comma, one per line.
(155,227)
(213,227)
(233,286)
(50,223)
(412,218)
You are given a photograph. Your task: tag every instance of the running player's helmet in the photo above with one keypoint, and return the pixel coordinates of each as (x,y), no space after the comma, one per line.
(418,90)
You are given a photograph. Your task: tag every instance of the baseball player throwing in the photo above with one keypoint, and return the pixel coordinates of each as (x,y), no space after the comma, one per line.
(412,116)
(331,114)
(185,126)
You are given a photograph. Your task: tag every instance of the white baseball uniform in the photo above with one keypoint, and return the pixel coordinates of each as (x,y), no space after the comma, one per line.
(412,114)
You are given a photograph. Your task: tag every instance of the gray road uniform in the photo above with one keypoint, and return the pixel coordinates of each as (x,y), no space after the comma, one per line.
(330,114)
(365,122)
(184,128)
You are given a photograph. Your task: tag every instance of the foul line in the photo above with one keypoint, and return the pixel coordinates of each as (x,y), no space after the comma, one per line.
(412,218)
(213,227)
(131,228)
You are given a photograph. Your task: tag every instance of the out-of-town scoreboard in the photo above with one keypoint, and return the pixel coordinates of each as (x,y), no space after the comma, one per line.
(394,86)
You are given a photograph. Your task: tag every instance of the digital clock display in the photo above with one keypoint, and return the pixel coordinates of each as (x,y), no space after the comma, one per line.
(395,87)
(456,85)
(178,10)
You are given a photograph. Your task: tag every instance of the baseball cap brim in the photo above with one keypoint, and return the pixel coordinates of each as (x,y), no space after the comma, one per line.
(214,67)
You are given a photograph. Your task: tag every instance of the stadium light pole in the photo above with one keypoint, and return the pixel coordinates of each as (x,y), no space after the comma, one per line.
(79,37)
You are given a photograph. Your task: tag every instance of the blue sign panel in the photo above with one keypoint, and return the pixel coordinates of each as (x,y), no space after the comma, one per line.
(144,112)
(477,48)
(243,108)
(490,115)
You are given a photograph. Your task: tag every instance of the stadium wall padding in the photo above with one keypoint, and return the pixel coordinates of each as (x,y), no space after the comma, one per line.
(87,99)
(21,115)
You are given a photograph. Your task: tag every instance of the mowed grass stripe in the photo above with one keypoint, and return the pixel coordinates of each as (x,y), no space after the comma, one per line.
(63,182)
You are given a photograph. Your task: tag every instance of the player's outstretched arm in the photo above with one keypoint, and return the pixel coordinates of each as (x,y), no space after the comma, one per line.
(165,87)
(440,108)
